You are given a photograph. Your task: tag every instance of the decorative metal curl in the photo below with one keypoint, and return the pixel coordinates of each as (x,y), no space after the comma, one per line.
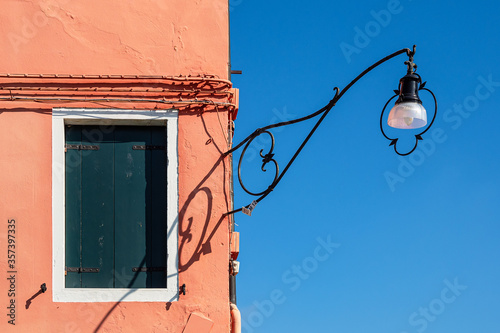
(417,136)
(265,160)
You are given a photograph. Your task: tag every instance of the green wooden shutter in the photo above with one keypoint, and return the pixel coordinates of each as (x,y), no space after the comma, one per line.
(116,207)
(73,206)
(97,207)
(158,187)
(131,202)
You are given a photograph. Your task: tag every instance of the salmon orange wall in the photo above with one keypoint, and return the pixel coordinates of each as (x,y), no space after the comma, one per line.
(150,37)
(115,37)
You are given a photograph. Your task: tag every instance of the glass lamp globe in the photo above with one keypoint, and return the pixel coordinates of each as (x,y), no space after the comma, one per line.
(407,115)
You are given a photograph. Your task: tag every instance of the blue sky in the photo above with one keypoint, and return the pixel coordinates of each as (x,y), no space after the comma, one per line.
(356,238)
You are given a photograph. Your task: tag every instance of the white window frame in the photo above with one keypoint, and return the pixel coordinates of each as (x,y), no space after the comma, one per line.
(68,116)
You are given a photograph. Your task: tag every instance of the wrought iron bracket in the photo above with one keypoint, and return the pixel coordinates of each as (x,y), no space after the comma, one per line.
(268,157)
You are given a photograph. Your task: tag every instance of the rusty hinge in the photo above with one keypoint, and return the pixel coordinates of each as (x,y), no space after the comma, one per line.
(149,269)
(147,147)
(82,270)
(81,147)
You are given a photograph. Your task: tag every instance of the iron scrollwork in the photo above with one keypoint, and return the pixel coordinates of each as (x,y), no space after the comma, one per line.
(267,158)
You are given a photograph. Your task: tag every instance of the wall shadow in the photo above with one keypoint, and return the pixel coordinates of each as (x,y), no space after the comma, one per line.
(203,247)
(43,289)
(103,320)
(186,222)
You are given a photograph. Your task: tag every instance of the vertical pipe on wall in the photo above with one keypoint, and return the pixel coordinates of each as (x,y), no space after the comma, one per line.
(232,289)
(235,319)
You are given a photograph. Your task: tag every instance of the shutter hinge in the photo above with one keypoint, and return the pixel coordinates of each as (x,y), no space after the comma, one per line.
(81,270)
(147,147)
(81,147)
(149,269)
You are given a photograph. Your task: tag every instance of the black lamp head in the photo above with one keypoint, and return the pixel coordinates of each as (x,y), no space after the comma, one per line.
(408,112)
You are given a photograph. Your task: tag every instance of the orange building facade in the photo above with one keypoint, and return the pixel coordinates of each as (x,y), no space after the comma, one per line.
(114,116)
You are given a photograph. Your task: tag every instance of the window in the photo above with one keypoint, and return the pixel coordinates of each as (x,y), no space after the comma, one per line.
(114,205)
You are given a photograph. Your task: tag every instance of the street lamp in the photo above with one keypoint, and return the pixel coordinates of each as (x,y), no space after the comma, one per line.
(407,113)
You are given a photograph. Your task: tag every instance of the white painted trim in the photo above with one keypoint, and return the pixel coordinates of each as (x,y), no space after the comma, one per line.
(62,116)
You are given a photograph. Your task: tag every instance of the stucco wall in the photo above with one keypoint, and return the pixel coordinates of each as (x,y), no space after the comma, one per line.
(114,37)
(155,37)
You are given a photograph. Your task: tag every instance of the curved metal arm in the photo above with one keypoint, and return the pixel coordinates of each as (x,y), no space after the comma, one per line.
(323,112)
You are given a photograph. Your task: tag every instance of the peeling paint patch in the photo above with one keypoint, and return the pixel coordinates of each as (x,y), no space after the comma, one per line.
(86,32)
(197,323)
